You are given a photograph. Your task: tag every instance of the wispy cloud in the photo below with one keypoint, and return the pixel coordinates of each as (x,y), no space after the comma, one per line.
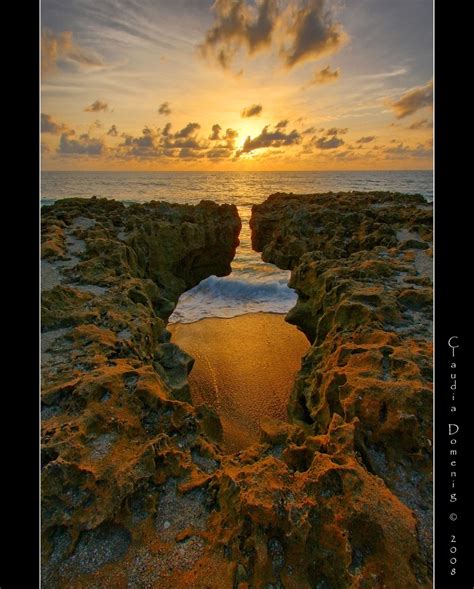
(59,49)
(413,100)
(383,75)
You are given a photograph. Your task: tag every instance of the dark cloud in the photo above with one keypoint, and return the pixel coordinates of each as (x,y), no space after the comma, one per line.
(336,131)
(309,130)
(366,139)
(239,25)
(282,124)
(268,138)
(332,143)
(325,76)
(113,132)
(413,100)
(164,109)
(83,145)
(184,144)
(215,135)
(187,131)
(243,25)
(97,106)
(314,34)
(59,49)
(421,124)
(231,134)
(251,111)
(50,126)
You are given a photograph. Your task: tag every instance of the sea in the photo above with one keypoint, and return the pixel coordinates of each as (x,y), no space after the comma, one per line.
(253,286)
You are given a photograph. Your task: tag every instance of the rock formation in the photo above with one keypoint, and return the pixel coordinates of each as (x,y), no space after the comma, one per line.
(116,418)
(362,268)
(136,489)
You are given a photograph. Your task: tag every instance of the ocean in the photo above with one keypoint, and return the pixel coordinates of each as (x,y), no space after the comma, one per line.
(253,285)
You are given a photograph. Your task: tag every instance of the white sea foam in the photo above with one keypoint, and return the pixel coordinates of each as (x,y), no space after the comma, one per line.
(227,297)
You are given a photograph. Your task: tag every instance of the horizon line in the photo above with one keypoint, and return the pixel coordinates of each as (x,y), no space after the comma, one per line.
(238,171)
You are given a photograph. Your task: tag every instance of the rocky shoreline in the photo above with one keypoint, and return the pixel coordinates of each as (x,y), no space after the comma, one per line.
(136,489)
(362,267)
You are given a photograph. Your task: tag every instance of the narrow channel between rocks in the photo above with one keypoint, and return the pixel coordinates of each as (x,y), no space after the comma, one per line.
(245,354)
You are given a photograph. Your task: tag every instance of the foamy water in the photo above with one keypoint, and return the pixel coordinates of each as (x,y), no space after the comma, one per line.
(252,286)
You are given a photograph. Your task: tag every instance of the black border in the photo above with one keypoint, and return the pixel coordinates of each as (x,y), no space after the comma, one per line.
(20,289)
(452,269)
(453,263)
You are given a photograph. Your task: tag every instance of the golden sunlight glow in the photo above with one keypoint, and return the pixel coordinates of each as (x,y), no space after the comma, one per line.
(152,105)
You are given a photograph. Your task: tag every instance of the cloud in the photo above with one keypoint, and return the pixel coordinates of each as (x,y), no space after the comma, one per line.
(402,151)
(187,131)
(60,50)
(184,144)
(383,75)
(50,126)
(113,132)
(413,100)
(421,124)
(267,138)
(333,143)
(167,130)
(164,109)
(282,124)
(97,106)
(247,26)
(336,131)
(366,139)
(314,34)
(83,145)
(215,135)
(325,76)
(251,111)
(229,137)
(239,25)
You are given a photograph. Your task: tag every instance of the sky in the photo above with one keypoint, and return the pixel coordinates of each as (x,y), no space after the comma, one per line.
(236,84)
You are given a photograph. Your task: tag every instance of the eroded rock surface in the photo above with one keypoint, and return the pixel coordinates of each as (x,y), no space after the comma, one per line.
(137,491)
(116,417)
(362,267)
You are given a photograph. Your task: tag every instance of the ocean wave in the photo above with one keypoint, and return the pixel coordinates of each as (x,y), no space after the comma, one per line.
(227,297)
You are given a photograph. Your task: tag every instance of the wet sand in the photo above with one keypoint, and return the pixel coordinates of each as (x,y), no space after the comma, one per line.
(244,368)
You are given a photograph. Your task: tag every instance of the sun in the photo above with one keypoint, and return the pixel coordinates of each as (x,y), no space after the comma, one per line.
(248,129)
